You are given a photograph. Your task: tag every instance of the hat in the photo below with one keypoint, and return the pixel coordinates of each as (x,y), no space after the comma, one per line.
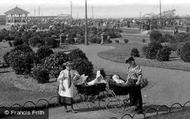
(129,60)
(68,63)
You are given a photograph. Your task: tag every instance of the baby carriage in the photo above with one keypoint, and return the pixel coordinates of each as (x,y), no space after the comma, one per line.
(120,92)
(92,93)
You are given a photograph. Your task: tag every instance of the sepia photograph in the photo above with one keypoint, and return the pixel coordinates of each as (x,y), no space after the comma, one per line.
(94,59)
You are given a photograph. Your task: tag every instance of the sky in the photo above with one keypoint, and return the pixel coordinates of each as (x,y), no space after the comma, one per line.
(101,8)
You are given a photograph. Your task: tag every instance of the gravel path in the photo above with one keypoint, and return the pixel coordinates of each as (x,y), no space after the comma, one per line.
(166,86)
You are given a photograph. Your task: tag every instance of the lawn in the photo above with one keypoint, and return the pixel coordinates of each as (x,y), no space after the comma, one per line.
(19,88)
(121,51)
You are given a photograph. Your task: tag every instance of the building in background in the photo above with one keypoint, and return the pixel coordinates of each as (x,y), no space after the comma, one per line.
(16,16)
(2,19)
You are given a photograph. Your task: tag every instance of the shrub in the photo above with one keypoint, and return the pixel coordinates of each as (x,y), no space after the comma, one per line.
(126,40)
(180,37)
(135,52)
(6,58)
(54,63)
(163,54)
(155,36)
(144,50)
(51,42)
(152,49)
(21,62)
(95,39)
(185,52)
(80,40)
(40,74)
(83,66)
(23,48)
(168,38)
(17,41)
(143,40)
(77,53)
(107,41)
(42,53)
(34,41)
(116,41)
(70,41)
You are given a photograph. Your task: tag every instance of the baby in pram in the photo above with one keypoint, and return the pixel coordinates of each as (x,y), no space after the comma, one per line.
(99,79)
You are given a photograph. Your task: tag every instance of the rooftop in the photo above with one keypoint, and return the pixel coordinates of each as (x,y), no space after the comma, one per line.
(17,10)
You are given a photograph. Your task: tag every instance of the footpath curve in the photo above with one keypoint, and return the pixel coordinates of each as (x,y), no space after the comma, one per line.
(168,86)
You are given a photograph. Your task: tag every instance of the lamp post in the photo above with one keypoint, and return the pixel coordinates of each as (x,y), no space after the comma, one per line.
(160,14)
(86,24)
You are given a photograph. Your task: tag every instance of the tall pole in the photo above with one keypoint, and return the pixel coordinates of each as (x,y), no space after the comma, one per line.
(71,10)
(160,13)
(86,24)
(92,12)
(39,11)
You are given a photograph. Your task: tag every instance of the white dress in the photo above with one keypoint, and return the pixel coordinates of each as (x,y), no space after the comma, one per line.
(63,82)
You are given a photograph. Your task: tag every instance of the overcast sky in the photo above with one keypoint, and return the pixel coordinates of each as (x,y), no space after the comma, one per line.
(102,8)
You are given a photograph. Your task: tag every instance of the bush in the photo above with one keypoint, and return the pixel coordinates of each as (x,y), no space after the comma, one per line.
(135,52)
(21,62)
(126,40)
(108,41)
(180,37)
(152,49)
(116,41)
(155,36)
(23,48)
(185,52)
(17,41)
(70,41)
(77,53)
(42,53)
(40,74)
(80,40)
(83,66)
(168,38)
(163,54)
(51,42)
(143,40)
(6,58)
(34,41)
(95,39)
(54,63)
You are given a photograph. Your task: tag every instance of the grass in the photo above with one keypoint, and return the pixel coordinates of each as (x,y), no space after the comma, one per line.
(122,51)
(19,88)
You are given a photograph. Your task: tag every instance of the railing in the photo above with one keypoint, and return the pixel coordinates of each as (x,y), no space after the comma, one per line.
(153,111)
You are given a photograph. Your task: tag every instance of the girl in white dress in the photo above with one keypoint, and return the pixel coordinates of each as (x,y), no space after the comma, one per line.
(66,86)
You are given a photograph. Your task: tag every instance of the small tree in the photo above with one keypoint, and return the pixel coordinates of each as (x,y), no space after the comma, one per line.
(151,50)
(21,62)
(42,53)
(185,52)
(40,74)
(54,63)
(135,52)
(163,54)
(77,53)
(155,36)
(126,40)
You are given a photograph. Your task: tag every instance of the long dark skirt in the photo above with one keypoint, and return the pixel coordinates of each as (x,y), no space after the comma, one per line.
(65,100)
